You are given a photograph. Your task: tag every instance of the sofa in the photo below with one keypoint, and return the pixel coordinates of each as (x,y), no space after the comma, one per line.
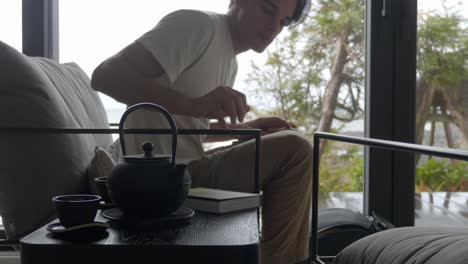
(34,167)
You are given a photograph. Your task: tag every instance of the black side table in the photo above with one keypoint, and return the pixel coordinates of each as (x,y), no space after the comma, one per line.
(228,238)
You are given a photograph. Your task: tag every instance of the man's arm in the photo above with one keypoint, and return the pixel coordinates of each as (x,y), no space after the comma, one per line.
(131,77)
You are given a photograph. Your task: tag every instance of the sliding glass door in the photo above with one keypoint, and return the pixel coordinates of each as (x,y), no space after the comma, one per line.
(442,103)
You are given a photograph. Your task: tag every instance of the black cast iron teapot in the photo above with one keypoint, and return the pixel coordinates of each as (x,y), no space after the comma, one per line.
(149,185)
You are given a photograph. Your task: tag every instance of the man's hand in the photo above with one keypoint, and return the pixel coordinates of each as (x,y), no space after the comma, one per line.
(268,125)
(220,103)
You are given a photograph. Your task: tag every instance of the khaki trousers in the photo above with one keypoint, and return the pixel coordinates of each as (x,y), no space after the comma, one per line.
(286,179)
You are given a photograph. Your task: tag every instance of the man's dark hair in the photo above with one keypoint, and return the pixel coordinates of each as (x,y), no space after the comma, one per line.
(300,14)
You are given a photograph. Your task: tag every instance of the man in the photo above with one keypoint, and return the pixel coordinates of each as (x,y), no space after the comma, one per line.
(187,64)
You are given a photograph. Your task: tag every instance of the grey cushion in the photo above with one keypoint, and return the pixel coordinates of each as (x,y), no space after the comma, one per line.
(415,245)
(37,92)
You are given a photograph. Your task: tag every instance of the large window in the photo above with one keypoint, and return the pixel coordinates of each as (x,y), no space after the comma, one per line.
(328,88)
(11,23)
(442,100)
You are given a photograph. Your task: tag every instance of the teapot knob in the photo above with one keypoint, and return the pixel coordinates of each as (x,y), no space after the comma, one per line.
(148,149)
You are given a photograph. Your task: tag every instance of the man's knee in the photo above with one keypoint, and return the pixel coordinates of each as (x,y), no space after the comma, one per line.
(295,144)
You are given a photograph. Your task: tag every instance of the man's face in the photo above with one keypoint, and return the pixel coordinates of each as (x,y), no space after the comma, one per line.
(260,21)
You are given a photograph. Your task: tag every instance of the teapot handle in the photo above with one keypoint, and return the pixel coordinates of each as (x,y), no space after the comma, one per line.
(159,108)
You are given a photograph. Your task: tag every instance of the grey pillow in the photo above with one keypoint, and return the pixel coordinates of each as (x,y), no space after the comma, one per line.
(38,92)
(417,245)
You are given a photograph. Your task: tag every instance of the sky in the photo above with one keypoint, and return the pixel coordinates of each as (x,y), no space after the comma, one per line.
(93,30)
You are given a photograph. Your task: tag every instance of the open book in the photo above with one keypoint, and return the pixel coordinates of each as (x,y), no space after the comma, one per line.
(220,201)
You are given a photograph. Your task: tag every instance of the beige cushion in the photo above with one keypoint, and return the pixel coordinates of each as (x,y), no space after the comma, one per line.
(115,151)
(101,166)
(37,92)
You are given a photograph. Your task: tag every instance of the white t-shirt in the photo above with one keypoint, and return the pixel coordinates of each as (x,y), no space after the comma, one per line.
(195,50)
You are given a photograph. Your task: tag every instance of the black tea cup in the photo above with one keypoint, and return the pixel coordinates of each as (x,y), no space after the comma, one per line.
(101,185)
(76,209)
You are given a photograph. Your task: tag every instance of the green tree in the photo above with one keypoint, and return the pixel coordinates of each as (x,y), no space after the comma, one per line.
(315,73)
(306,70)
(442,87)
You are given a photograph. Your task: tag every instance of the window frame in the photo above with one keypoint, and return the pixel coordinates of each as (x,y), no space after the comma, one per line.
(41,28)
(390,108)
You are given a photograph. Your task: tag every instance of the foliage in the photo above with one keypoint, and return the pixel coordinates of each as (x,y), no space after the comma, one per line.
(436,175)
(442,70)
(344,172)
(302,67)
(442,50)
(295,76)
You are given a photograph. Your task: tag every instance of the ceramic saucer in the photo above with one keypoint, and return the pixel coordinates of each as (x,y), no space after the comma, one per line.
(95,230)
(180,216)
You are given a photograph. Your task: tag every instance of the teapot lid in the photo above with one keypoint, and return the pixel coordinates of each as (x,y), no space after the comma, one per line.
(148,156)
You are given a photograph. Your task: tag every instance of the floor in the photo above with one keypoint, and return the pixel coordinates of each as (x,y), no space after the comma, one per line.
(446,209)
